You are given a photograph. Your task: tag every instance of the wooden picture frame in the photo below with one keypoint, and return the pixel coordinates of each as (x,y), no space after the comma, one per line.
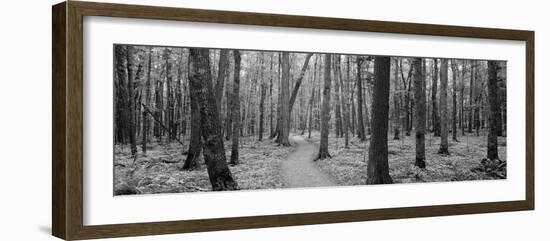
(67,123)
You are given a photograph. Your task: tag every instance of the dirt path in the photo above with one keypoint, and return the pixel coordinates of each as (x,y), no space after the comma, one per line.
(300,171)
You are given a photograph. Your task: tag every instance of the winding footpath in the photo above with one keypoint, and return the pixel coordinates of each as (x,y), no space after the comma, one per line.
(300,171)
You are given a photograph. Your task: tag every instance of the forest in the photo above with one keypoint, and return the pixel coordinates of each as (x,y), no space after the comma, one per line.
(199,119)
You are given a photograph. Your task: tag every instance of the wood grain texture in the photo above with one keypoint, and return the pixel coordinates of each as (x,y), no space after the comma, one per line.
(67,119)
(530,120)
(59,193)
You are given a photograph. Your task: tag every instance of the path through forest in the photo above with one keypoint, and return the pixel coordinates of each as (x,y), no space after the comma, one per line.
(298,170)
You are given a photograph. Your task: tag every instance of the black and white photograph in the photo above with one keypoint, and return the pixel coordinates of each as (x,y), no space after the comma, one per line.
(270,120)
(190,119)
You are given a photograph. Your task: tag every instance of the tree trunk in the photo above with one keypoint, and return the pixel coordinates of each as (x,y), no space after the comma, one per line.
(271,129)
(277,133)
(228,111)
(407,102)
(178,96)
(470,107)
(325,111)
(145,118)
(131,105)
(444,145)
(360,124)
(122,97)
(494,115)
(501,102)
(461,121)
(351,98)
(236,116)
(214,154)
(420,112)
(298,82)
(343,100)
(396,104)
(285,108)
(476,100)
(348,93)
(377,166)
(222,72)
(310,122)
(159,106)
(435,113)
(249,116)
(366,111)
(311,101)
(195,142)
(353,114)
(337,98)
(169,95)
(284,92)
(454,121)
(263,89)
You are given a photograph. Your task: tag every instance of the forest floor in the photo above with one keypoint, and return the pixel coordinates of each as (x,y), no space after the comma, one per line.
(160,170)
(265,165)
(349,166)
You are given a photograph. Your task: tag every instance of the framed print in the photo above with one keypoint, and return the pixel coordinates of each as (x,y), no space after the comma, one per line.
(172,120)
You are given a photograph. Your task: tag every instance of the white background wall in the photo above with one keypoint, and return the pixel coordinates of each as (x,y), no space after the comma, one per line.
(25,120)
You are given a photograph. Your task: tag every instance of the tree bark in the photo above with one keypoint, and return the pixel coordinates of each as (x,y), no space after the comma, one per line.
(122,97)
(420,112)
(366,111)
(476,124)
(271,129)
(454,120)
(377,166)
(298,82)
(337,98)
(263,90)
(214,154)
(195,141)
(228,111)
(501,102)
(348,93)
(444,145)
(407,88)
(159,106)
(343,100)
(131,105)
(310,121)
(285,104)
(360,124)
(396,104)
(279,134)
(470,107)
(435,113)
(325,111)
(146,122)
(222,72)
(236,116)
(179,97)
(170,95)
(494,115)
(462,77)
(313,84)
(352,97)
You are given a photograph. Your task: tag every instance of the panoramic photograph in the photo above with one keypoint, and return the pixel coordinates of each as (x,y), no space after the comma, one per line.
(203,119)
